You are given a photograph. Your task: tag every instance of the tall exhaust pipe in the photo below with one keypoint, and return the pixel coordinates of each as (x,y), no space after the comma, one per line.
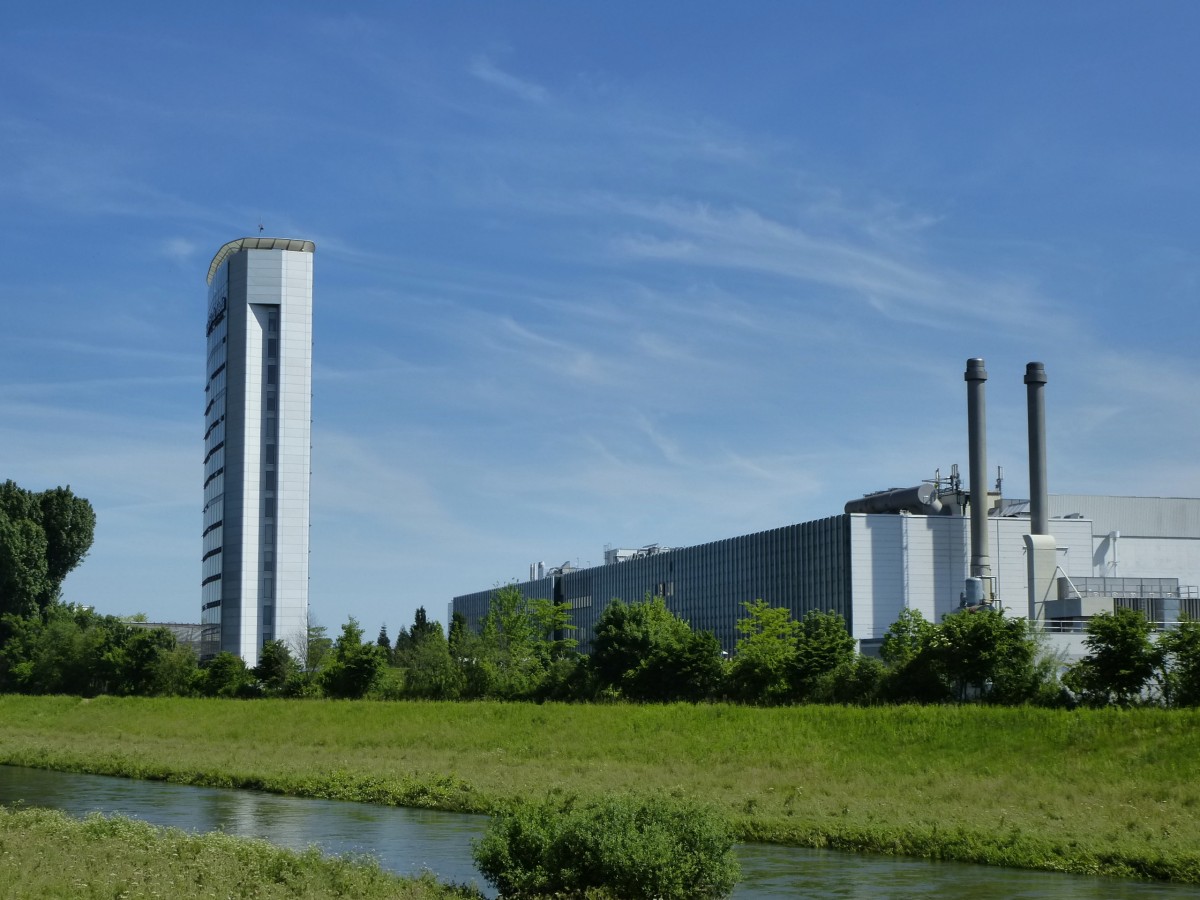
(981,567)
(1035,383)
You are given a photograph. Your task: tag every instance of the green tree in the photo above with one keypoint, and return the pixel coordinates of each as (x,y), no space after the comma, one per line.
(43,536)
(1180,647)
(910,651)
(822,645)
(422,627)
(430,673)
(277,673)
(1121,660)
(142,653)
(766,654)
(648,653)
(178,673)
(226,675)
(311,647)
(518,641)
(385,642)
(70,526)
(73,650)
(24,578)
(355,666)
(458,631)
(906,639)
(985,654)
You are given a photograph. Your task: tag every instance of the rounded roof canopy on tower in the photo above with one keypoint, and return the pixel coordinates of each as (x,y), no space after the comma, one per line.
(257,243)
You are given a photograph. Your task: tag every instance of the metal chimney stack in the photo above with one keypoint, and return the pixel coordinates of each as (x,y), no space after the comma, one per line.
(981,566)
(1035,383)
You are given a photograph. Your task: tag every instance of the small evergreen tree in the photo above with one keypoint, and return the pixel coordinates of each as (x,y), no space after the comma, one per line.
(385,643)
(277,673)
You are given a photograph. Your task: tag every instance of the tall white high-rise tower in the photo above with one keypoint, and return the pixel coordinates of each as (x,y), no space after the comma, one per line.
(257,425)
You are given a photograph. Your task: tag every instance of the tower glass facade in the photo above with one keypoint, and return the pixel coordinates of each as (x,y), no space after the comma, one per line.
(257,439)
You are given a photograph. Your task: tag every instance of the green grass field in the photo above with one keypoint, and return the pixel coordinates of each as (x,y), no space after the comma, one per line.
(47,854)
(1093,791)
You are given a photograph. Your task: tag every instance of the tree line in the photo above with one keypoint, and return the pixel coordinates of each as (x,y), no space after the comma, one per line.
(523,649)
(641,652)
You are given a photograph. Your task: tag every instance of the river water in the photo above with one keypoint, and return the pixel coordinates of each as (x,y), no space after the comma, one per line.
(408,841)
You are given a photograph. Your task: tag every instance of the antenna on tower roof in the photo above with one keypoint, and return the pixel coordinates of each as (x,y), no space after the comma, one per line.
(260,227)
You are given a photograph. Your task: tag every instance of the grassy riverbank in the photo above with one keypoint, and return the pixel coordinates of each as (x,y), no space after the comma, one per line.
(1103,792)
(47,854)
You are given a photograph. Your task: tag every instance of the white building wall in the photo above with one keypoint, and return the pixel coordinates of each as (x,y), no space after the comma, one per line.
(295,446)
(876,574)
(901,561)
(1148,557)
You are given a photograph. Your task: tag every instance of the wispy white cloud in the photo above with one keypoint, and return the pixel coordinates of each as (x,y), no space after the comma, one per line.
(898,286)
(488,72)
(180,250)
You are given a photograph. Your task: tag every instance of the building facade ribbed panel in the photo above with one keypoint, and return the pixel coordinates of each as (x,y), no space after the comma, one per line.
(802,567)
(1176,517)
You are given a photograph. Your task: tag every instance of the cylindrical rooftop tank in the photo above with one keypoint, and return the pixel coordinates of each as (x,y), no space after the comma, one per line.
(974,594)
(921,500)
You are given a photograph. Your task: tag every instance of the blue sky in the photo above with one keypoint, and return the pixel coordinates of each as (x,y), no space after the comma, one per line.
(615,273)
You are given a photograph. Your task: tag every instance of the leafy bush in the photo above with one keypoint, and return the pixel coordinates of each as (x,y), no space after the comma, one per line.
(858,682)
(621,846)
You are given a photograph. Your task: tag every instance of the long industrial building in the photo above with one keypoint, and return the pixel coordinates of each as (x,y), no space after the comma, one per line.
(257,415)
(1058,559)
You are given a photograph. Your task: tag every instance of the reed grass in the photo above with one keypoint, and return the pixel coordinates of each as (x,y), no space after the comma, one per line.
(1089,791)
(48,854)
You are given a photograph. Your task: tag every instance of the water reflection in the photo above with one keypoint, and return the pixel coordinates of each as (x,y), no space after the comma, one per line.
(403,840)
(410,841)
